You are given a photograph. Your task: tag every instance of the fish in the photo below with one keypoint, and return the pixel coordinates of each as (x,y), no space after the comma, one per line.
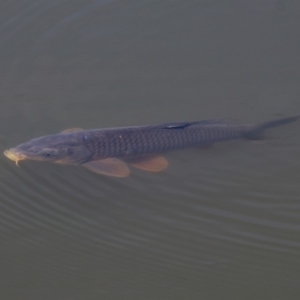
(110,151)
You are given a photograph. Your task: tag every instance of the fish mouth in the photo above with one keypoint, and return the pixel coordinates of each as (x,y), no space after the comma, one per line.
(14,155)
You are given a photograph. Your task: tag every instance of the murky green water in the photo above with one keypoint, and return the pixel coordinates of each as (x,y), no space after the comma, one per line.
(220,223)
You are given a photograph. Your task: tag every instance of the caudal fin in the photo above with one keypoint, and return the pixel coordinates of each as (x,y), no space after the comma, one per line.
(257,131)
(279,122)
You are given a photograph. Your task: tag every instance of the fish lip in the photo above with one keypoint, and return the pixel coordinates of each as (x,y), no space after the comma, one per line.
(14,155)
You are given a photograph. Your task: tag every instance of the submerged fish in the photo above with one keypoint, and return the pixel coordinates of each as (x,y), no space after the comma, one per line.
(109,151)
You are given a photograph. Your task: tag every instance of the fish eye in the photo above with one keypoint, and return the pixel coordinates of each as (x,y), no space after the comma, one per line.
(48,153)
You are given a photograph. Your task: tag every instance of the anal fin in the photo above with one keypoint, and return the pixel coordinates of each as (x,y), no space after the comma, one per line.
(151,164)
(109,166)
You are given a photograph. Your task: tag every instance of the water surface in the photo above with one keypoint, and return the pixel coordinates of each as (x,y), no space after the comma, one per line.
(220,223)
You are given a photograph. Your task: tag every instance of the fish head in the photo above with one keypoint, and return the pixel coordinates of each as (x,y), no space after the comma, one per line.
(57,148)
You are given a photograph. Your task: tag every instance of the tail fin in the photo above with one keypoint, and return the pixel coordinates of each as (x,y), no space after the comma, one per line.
(257,131)
(279,122)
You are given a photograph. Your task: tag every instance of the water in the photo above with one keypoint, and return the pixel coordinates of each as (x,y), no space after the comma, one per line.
(220,223)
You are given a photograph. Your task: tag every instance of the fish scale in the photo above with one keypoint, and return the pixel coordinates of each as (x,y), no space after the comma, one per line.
(108,151)
(147,140)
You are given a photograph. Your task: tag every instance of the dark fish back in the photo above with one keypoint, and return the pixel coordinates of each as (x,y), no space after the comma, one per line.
(130,142)
(137,141)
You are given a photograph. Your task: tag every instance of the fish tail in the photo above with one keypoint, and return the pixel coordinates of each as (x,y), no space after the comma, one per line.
(279,122)
(257,130)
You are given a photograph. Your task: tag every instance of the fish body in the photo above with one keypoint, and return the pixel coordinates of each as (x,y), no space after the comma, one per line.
(109,151)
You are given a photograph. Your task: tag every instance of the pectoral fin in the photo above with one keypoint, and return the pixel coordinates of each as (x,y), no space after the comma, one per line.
(151,164)
(71,130)
(109,166)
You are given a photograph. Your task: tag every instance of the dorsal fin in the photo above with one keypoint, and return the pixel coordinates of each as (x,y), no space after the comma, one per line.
(71,130)
(182,125)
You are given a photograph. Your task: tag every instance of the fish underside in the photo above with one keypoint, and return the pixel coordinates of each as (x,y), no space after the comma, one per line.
(110,151)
